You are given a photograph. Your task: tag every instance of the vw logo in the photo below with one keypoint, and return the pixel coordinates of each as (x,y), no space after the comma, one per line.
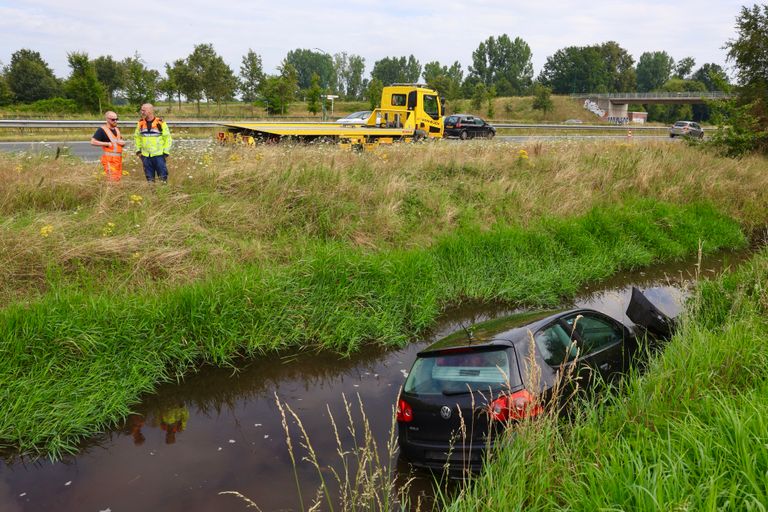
(445,412)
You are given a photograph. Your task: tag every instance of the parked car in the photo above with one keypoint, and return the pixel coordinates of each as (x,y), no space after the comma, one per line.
(465,126)
(356,117)
(686,129)
(463,390)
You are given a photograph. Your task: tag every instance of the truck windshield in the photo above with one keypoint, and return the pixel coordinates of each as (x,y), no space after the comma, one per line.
(431,106)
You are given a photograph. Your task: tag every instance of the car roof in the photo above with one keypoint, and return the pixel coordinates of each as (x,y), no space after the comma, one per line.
(503,331)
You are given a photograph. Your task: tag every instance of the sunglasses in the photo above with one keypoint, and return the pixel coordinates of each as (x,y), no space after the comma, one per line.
(114,118)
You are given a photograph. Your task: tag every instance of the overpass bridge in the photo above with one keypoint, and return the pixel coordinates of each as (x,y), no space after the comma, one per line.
(615,105)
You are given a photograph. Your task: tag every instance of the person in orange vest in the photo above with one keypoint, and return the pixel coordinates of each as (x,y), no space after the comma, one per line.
(153,144)
(111,142)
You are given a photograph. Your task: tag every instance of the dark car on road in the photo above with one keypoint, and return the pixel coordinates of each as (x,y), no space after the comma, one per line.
(465,126)
(463,390)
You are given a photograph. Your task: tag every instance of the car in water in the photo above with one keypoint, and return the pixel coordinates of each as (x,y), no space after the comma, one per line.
(465,389)
(465,126)
(355,117)
(686,129)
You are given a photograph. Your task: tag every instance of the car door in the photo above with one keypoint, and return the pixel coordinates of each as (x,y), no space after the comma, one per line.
(601,342)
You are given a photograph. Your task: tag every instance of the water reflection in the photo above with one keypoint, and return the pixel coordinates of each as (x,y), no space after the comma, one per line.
(221,430)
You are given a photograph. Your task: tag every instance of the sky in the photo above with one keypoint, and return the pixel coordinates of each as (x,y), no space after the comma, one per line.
(441,30)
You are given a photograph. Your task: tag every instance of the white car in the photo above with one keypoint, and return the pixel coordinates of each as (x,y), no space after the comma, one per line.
(355,117)
(686,129)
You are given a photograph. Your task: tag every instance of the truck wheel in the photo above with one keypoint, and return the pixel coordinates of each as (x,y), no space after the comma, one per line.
(419,135)
(463,135)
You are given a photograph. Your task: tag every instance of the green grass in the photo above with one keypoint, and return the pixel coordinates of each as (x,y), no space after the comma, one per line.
(76,360)
(688,434)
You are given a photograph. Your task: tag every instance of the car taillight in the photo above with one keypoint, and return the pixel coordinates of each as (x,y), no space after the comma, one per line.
(458,125)
(404,411)
(516,406)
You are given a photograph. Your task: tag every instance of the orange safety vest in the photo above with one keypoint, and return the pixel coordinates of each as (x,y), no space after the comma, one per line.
(112,155)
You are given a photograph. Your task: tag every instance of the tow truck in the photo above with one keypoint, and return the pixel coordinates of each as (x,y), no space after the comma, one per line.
(408,112)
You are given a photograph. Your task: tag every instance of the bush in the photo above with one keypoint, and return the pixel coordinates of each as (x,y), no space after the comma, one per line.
(739,131)
(51,106)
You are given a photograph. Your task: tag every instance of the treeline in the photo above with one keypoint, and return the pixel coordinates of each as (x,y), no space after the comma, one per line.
(501,66)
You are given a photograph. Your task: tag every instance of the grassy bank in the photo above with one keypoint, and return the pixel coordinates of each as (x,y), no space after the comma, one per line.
(109,290)
(689,434)
(61,225)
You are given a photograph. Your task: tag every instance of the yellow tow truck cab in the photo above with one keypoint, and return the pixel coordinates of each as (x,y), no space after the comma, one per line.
(408,112)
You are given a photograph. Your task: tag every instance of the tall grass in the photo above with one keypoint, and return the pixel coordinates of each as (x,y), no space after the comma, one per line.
(229,208)
(251,251)
(688,434)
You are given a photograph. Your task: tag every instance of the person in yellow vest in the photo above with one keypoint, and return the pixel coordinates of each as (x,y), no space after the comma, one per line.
(153,144)
(111,142)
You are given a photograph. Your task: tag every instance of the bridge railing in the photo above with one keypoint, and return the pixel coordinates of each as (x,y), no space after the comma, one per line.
(710,95)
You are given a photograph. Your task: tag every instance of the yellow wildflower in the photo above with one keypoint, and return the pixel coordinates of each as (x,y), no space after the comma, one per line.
(108,229)
(46,230)
(136,199)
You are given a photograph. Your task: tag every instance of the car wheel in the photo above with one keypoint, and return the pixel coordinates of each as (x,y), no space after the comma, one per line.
(463,135)
(491,134)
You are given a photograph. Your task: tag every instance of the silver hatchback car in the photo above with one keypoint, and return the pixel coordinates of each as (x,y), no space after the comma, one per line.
(686,129)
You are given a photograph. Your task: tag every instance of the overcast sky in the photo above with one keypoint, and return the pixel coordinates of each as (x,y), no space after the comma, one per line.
(444,30)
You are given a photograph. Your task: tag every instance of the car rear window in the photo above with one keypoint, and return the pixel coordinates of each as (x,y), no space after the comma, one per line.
(463,371)
(680,123)
(451,120)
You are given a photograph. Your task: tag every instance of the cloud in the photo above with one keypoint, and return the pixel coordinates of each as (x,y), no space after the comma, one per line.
(446,31)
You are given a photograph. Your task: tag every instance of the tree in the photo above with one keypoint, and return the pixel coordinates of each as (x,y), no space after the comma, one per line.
(183,80)
(353,80)
(653,70)
(749,53)
(30,78)
(445,80)
(349,74)
(503,63)
(140,81)
(6,94)
(712,76)
(541,98)
(111,74)
(619,67)
(599,68)
(313,95)
(392,70)
(375,86)
(280,90)
(251,76)
(306,62)
(168,86)
(220,83)
(684,67)
(210,76)
(83,86)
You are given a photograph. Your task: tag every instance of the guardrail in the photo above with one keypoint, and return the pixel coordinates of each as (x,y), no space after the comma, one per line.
(710,95)
(578,127)
(33,123)
(38,123)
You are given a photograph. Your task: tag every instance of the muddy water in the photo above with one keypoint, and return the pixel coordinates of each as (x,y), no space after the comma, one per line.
(220,431)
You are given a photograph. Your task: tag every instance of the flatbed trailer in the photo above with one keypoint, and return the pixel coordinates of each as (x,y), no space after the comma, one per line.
(409,112)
